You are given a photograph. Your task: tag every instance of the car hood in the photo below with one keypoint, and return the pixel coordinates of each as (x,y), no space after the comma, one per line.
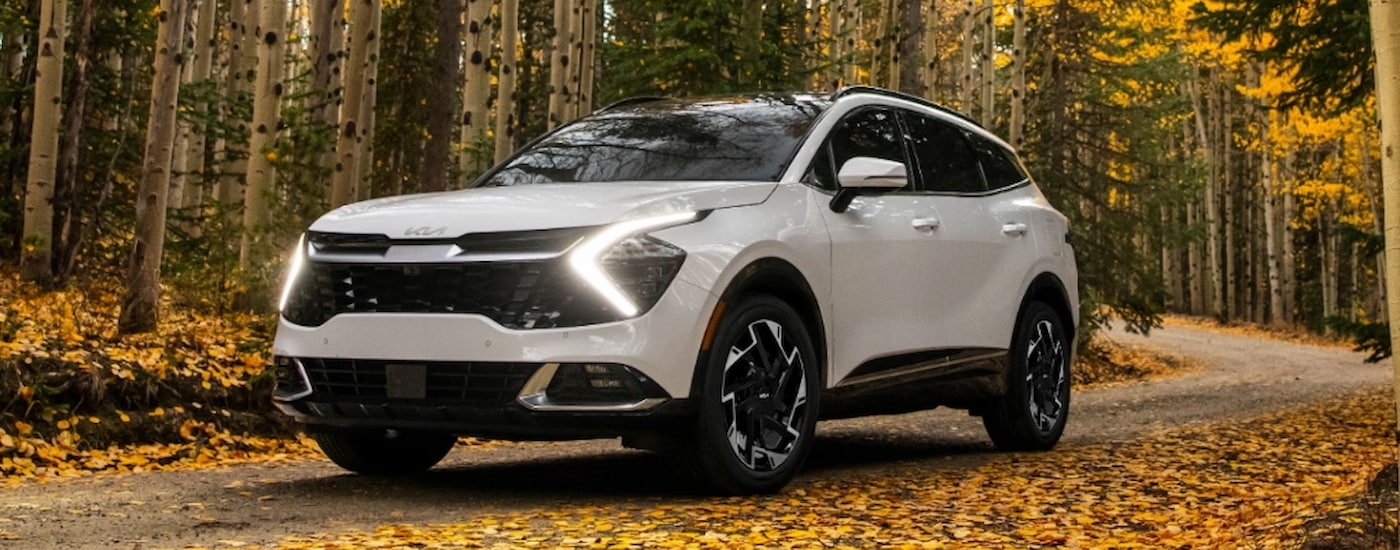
(540,206)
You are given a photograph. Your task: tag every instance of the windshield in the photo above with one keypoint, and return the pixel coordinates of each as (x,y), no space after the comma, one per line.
(734,139)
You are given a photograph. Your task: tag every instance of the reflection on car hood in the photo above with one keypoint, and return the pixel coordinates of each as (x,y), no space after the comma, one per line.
(526,207)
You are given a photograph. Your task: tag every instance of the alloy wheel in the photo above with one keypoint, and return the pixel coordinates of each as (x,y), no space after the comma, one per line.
(764,396)
(1046,376)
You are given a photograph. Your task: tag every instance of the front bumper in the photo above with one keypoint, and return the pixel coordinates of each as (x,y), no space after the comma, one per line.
(659,347)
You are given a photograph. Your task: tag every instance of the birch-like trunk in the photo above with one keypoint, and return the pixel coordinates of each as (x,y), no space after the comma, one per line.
(140,307)
(1385,33)
(1017,123)
(988,63)
(365,172)
(327,50)
(505,94)
(588,58)
(36,246)
(348,145)
(476,92)
(202,67)
(969,57)
(1268,172)
(930,51)
(559,62)
(911,39)
(68,185)
(267,105)
(446,73)
(229,152)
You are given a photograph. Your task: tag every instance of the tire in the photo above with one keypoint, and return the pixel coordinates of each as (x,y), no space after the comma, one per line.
(1032,414)
(760,378)
(384,452)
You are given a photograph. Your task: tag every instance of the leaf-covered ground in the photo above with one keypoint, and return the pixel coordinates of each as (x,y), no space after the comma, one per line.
(1244,484)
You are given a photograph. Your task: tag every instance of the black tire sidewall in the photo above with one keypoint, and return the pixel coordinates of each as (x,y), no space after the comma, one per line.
(1018,393)
(715,458)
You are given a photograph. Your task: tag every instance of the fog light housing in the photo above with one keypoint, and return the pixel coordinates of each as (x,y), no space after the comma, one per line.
(291,380)
(583,386)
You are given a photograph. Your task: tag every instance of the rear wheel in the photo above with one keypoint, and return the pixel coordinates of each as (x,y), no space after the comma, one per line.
(1032,414)
(758,401)
(384,452)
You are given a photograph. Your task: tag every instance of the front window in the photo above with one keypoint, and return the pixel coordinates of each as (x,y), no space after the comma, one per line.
(743,139)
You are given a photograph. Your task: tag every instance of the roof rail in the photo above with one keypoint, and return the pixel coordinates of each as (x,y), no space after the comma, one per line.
(848,90)
(630,101)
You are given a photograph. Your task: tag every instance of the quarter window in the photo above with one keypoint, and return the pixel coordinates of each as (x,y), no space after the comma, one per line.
(998,163)
(946,162)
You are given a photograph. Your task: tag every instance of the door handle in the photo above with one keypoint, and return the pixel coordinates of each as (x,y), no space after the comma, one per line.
(1015,229)
(925,224)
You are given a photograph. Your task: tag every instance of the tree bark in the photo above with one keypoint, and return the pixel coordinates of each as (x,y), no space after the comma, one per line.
(348,144)
(1385,33)
(140,308)
(228,152)
(267,105)
(969,57)
(476,91)
(559,63)
(588,62)
(327,49)
(930,51)
(988,63)
(1269,176)
(36,246)
(69,183)
(505,95)
(365,172)
(203,68)
(446,73)
(1017,123)
(911,75)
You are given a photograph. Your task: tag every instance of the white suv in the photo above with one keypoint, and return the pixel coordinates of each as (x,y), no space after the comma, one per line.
(705,277)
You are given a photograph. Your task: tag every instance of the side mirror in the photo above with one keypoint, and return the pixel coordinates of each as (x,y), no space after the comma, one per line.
(867,175)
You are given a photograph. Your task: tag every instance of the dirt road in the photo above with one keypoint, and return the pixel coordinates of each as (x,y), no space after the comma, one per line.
(263,504)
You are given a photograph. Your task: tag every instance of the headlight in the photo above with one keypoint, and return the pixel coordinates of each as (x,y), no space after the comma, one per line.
(293,272)
(622,255)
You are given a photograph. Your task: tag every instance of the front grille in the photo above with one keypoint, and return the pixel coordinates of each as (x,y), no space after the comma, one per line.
(519,294)
(460,382)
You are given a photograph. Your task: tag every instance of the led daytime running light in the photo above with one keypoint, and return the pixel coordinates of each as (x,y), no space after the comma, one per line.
(586,259)
(293,272)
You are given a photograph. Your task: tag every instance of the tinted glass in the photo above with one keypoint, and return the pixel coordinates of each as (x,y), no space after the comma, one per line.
(946,161)
(748,139)
(820,173)
(998,163)
(867,133)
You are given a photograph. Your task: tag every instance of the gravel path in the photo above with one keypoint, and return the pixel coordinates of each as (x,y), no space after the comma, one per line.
(261,504)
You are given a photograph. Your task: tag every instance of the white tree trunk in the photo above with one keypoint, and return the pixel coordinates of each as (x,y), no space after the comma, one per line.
(1269,176)
(228,153)
(1385,32)
(36,247)
(203,64)
(141,302)
(505,95)
(969,57)
(988,63)
(267,105)
(348,143)
(930,50)
(1018,75)
(365,172)
(559,62)
(476,91)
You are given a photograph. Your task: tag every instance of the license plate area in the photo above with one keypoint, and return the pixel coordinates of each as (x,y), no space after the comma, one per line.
(406,381)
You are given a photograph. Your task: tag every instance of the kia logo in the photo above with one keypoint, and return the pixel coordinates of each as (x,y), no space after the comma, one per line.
(425,231)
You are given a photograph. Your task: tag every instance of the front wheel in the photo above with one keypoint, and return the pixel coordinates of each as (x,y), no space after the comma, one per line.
(1032,414)
(758,400)
(384,452)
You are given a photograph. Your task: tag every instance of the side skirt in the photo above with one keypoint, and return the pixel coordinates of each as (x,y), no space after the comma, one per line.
(961,379)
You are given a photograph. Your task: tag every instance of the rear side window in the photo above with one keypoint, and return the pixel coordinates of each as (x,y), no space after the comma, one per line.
(998,164)
(946,162)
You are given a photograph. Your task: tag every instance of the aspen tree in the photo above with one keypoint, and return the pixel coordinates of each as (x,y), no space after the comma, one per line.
(910,39)
(348,146)
(365,171)
(140,307)
(1385,34)
(267,105)
(505,95)
(36,246)
(233,165)
(327,45)
(988,63)
(1017,123)
(559,62)
(476,91)
(445,70)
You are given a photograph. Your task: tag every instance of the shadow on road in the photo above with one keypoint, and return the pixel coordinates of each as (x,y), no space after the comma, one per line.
(540,473)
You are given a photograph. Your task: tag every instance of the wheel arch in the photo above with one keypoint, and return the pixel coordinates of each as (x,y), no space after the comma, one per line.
(1047,288)
(778,278)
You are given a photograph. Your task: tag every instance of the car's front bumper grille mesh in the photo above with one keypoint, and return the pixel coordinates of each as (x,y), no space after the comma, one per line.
(459,382)
(519,294)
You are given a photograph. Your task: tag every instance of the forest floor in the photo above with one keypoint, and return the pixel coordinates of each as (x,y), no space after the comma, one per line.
(1254,443)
